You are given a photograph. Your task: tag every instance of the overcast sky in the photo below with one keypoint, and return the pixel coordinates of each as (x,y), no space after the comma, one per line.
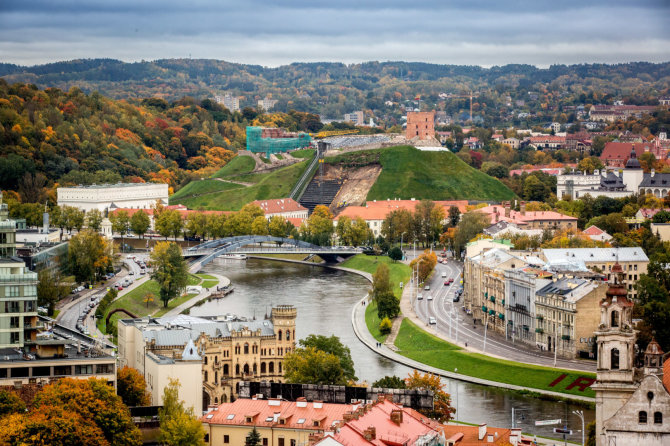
(271,33)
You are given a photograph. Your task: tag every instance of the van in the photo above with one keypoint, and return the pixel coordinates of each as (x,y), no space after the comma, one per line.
(444,274)
(432,321)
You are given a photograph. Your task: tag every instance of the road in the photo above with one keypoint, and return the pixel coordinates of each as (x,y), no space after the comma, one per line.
(72,309)
(456,326)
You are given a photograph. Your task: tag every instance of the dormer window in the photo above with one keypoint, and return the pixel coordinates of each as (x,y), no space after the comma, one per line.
(249,419)
(316,423)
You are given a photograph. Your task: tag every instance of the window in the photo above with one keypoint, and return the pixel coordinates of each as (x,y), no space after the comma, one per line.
(288,335)
(265,441)
(634,267)
(105,368)
(642,417)
(226,439)
(83,369)
(279,335)
(615,318)
(280,441)
(293,443)
(14,337)
(658,418)
(13,291)
(614,362)
(246,349)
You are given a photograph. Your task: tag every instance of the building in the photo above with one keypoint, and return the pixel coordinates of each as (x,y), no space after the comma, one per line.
(528,219)
(279,422)
(476,247)
(375,212)
(633,261)
(662,230)
(355,117)
(512,142)
(229,101)
(282,207)
(420,125)
(632,404)
(597,234)
(106,197)
(521,287)
(267,103)
(229,349)
(44,256)
(600,183)
(619,112)
(384,423)
(504,228)
(552,142)
(274,140)
(615,154)
(578,142)
(481,435)
(567,312)
(35,350)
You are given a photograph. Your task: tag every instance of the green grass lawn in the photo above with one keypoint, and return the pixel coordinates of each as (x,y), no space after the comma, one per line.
(173,304)
(410,173)
(208,281)
(398,272)
(275,184)
(236,166)
(304,153)
(421,346)
(208,186)
(279,156)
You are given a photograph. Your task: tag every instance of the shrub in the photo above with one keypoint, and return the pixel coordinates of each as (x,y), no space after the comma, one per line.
(385,326)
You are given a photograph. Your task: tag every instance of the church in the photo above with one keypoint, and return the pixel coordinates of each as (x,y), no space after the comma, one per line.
(632,404)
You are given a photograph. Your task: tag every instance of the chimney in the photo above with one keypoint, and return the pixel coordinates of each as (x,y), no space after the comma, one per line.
(348,416)
(396,416)
(370,433)
(515,436)
(482,431)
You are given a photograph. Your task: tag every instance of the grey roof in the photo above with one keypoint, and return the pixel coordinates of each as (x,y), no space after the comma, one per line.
(658,180)
(589,255)
(572,289)
(104,186)
(181,329)
(611,181)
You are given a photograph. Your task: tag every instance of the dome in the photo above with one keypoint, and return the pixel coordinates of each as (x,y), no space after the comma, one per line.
(633,162)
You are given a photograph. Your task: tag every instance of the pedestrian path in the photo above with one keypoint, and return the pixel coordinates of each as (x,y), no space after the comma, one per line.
(206,292)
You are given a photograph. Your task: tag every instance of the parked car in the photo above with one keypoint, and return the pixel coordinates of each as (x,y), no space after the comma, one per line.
(419,296)
(457,298)
(432,320)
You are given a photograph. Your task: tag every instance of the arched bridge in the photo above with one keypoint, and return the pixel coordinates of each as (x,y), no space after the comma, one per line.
(265,244)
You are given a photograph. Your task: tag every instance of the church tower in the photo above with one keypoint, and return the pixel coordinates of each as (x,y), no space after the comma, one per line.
(632,174)
(615,380)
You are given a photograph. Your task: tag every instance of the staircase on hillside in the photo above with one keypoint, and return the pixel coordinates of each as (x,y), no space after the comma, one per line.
(320,192)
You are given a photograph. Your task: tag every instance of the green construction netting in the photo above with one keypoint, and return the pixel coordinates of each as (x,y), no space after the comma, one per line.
(257,144)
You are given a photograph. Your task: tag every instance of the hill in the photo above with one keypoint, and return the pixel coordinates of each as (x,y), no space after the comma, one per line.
(411,173)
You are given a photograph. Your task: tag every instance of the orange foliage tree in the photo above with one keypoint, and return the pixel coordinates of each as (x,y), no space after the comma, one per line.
(427,260)
(442,409)
(131,387)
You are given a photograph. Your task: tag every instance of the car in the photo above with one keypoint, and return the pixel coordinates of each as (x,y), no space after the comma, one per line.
(457,298)
(143,272)
(451,281)
(446,282)
(427,287)
(444,274)
(432,320)
(429,297)
(419,296)
(131,273)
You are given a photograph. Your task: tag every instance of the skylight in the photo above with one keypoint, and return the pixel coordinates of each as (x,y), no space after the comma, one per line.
(230,417)
(301,421)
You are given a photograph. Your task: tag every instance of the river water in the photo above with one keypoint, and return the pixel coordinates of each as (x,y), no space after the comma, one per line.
(324,298)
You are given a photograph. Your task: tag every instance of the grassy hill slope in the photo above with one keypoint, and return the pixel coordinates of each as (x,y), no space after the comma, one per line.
(212,194)
(410,173)
(236,166)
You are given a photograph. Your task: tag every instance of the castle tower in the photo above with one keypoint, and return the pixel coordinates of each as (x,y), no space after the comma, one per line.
(632,174)
(283,319)
(616,349)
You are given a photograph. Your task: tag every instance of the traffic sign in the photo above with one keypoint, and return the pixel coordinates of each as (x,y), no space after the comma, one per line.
(558,430)
(547,422)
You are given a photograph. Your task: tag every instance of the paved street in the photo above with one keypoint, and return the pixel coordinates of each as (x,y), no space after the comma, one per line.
(454,325)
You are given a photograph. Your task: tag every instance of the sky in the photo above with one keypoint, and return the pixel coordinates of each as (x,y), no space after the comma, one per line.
(272,33)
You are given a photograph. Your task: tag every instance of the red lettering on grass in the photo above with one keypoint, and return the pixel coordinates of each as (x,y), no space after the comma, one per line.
(558,380)
(582,383)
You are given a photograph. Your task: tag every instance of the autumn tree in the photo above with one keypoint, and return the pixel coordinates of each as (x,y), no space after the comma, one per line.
(279,226)
(140,223)
(318,228)
(398,226)
(332,345)
(197,224)
(170,270)
(131,387)
(312,366)
(426,263)
(94,219)
(469,226)
(169,223)
(442,409)
(178,425)
(49,289)
(10,403)
(89,255)
(454,216)
(259,226)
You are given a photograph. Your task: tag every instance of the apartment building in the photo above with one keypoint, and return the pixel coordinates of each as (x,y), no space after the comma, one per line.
(568,313)
(222,350)
(521,287)
(633,261)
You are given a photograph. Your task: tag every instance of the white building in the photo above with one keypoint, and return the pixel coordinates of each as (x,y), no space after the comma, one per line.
(356,118)
(105,197)
(229,101)
(266,103)
(282,207)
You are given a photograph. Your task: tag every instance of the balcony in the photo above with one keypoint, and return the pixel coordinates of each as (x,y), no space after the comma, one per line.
(565,337)
(539,330)
(540,318)
(217,365)
(18,278)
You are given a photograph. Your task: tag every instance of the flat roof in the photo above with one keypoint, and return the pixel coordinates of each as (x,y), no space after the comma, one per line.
(105,186)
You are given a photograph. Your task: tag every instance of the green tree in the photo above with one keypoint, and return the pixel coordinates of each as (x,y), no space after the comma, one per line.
(471,224)
(591,433)
(170,270)
(381,282)
(332,345)
(89,255)
(178,426)
(388,305)
(390,382)
(312,366)
(131,387)
(279,226)
(10,403)
(661,217)
(535,190)
(94,219)
(49,289)
(259,226)
(197,224)
(169,223)
(72,218)
(120,224)
(320,225)
(140,223)
(395,254)
(253,438)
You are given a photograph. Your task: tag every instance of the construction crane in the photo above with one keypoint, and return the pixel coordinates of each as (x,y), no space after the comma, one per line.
(465,96)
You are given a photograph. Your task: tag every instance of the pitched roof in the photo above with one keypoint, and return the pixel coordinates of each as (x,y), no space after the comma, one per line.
(279,205)
(648,213)
(469,435)
(267,413)
(378,210)
(658,180)
(593,230)
(621,150)
(666,374)
(523,218)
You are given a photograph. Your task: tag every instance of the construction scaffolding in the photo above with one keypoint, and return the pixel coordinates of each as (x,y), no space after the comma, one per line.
(274,140)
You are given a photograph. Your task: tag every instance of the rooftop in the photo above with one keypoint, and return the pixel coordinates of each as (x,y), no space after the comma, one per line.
(590,255)
(378,210)
(279,205)
(572,289)
(105,186)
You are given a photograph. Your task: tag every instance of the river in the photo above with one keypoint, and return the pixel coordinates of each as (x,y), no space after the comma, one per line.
(324,298)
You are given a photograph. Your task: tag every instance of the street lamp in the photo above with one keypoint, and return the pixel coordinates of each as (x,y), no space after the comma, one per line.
(416,279)
(580,414)
(401,240)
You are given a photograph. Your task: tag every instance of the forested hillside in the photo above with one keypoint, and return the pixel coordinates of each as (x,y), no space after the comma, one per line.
(52,137)
(331,89)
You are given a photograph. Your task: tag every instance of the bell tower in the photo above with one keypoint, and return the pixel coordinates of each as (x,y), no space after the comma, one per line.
(615,381)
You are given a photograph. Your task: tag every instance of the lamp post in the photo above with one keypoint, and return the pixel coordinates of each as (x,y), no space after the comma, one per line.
(580,414)
(401,240)
(416,279)
(486,326)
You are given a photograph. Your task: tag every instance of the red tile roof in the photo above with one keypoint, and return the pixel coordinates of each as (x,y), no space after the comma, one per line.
(266,413)
(469,435)
(378,210)
(621,150)
(666,374)
(593,230)
(522,219)
(648,213)
(279,205)
(547,138)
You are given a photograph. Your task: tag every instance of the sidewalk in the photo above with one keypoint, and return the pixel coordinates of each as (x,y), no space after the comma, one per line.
(223,282)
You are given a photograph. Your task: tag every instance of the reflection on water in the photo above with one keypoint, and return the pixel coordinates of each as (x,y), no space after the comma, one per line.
(324,299)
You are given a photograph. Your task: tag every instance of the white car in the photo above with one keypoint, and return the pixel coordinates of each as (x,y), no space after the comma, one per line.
(427,287)
(444,274)
(432,321)
(419,296)
(429,297)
